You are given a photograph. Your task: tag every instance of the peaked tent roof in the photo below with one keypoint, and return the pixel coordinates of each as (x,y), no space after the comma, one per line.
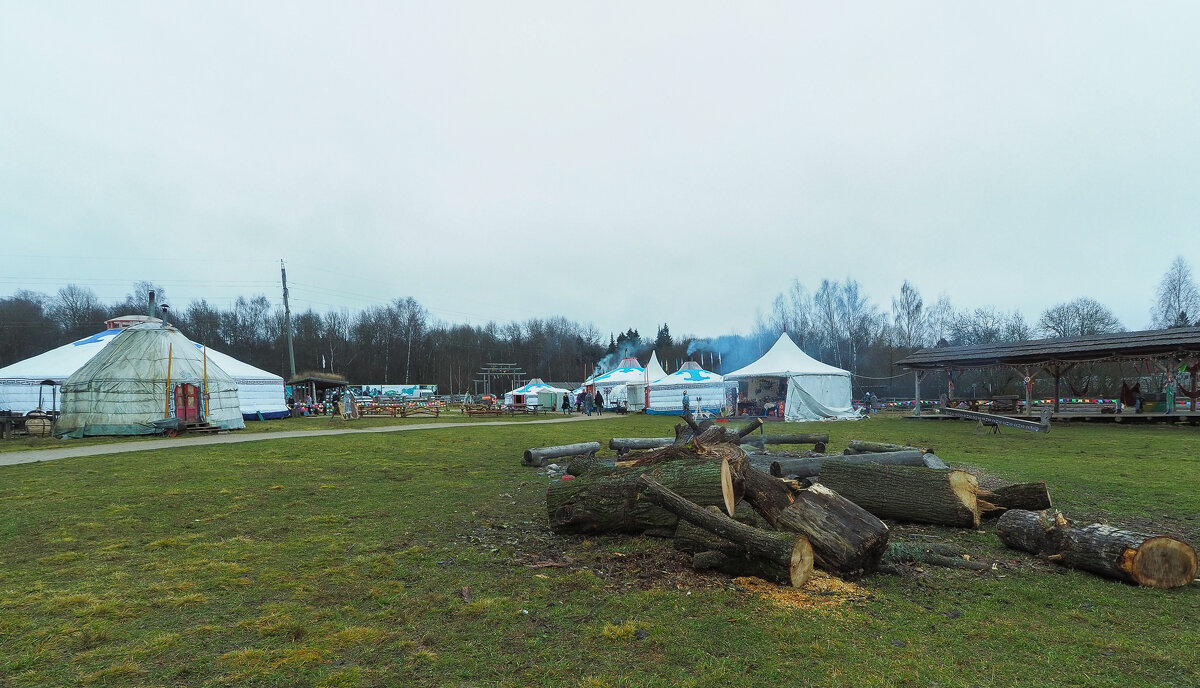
(785,359)
(690,374)
(628,370)
(654,370)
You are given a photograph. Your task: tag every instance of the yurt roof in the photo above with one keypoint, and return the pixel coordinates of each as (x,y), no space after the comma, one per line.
(785,359)
(689,373)
(534,386)
(58,364)
(628,370)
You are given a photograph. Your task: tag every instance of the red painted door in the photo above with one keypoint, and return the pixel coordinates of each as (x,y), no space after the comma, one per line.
(187,402)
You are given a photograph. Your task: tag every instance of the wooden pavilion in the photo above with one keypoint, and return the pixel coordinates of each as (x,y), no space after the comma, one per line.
(1165,350)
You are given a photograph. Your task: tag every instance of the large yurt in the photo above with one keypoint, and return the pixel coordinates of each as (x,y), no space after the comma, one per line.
(706,390)
(33,383)
(614,385)
(536,393)
(148,372)
(789,384)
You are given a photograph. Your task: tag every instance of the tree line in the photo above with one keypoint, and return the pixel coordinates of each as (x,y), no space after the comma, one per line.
(400,343)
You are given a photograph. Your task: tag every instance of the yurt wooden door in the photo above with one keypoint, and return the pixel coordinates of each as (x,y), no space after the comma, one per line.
(187,402)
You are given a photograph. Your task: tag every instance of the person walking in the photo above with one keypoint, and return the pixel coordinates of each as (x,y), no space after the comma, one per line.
(687,405)
(566,404)
(599,403)
(587,403)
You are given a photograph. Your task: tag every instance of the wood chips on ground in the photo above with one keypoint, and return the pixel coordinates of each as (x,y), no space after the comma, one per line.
(822,591)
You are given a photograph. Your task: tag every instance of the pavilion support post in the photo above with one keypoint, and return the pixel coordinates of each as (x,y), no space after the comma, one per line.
(1193,367)
(1029,392)
(1057,382)
(917,377)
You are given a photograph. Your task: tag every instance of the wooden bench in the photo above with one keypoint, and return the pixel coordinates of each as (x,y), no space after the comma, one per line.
(421,410)
(482,410)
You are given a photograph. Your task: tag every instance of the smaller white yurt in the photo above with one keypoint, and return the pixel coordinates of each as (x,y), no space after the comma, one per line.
(536,392)
(30,384)
(148,372)
(614,385)
(707,391)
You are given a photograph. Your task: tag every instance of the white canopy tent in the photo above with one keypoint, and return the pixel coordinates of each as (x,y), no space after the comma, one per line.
(788,382)
(148,372)
(707,391)
(22,389)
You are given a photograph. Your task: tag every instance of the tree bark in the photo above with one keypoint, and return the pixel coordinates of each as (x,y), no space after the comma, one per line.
(1152,560)
(790,553)
(820,439)
(809,467)
(538,455)
(623,445)
(864,447)
(1025,496)
(847,541)
(606,500)
(914,494)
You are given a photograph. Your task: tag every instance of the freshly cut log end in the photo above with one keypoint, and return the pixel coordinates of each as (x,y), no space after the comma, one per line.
(1024,496)
(801,565)
(966,488)
(1163,562)
(727,490)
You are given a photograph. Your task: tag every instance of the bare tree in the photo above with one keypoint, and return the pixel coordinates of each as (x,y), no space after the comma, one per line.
(909,320)
(940,321)
(77,310)
(1177,298)
(1077,318)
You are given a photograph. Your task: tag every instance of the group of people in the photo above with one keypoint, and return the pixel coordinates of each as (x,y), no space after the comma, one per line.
(585,402)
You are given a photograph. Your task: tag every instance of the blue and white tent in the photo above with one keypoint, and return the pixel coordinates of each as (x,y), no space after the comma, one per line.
(536,392)
(614,385)
(707,391)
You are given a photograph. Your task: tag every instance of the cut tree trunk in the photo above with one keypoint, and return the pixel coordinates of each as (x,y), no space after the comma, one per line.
(847,541)
(1156,561)
(606,500)
(864,447)
(788,553)
(818,439)
(539,455)
(809,467)
(1026,496)
(623,445)
(914,494)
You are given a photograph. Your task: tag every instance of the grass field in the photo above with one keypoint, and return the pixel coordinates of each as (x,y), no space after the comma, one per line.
(423,559)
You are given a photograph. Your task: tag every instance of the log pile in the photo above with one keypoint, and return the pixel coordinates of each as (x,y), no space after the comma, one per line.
(776,517)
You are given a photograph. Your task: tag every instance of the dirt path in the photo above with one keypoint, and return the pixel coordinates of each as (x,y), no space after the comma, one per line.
(35,455)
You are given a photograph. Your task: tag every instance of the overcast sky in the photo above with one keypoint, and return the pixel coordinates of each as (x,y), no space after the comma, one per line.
(624,164)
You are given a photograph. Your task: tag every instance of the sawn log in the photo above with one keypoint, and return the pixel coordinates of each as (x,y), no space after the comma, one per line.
(1156,561)
(914,494)
(538,455)
(809,467)
(789,555)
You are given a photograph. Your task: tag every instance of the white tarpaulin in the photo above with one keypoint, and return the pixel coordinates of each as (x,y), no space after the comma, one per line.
(532,393)
(813,390)
(138,378)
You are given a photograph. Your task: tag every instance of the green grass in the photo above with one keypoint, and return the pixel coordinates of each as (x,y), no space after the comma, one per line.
(342,561)
(25,442)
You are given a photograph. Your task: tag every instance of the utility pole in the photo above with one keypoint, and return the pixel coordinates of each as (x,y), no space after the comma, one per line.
(287,321)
